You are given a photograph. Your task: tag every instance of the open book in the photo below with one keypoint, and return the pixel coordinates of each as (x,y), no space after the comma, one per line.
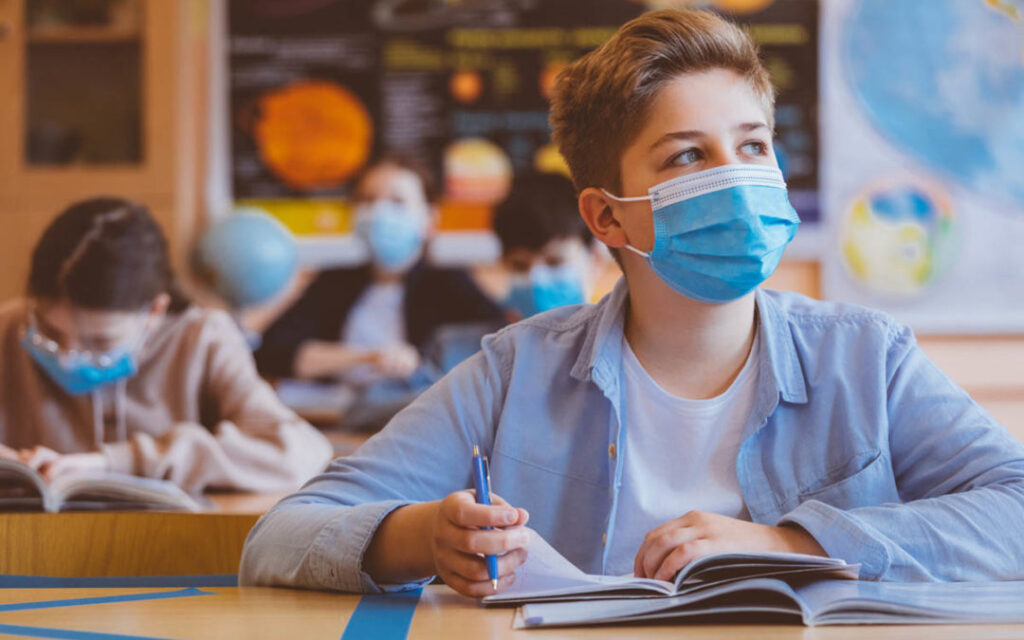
(748,587)
(23,489)
(546,576)
(813,602)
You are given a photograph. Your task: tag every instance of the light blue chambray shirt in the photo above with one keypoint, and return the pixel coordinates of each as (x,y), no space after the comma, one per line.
(854,435)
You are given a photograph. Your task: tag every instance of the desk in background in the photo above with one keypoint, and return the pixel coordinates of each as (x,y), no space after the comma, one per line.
(256,613)
(131,543)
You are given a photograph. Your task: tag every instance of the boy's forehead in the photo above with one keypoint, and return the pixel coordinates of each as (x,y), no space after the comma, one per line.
(707,102)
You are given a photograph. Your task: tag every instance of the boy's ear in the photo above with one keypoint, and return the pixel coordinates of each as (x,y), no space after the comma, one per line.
(596,209)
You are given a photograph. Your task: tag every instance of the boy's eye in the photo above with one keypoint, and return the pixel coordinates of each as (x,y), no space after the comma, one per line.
(754,148)
(688,156)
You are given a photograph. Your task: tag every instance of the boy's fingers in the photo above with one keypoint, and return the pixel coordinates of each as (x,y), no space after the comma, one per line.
(478,589)
(481,515)
(488,542)
(474,567)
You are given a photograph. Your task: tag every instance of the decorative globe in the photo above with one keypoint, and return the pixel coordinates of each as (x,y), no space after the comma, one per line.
(898,239)
(247,258)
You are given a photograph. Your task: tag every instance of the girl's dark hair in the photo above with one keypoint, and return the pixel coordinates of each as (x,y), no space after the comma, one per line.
(107,254)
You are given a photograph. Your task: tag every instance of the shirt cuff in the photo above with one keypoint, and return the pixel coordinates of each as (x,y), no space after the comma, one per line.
(120,456)
(336,558)
(841,536)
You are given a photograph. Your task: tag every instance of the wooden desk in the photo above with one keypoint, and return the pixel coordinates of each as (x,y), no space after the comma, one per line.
(131,543)
(256,613)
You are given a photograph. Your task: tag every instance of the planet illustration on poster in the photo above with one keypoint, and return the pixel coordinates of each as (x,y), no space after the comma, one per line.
(476,170)
(899,238)
(313,134)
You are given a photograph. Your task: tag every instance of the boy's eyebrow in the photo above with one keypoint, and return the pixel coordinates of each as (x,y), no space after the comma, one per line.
(677,135)
(751,126)
(694,133)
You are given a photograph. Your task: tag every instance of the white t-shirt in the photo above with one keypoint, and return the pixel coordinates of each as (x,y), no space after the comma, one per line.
(376,320)
(680,455)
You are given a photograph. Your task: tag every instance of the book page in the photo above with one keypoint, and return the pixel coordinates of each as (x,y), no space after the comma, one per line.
(547,573)
(22,488)
(115,490)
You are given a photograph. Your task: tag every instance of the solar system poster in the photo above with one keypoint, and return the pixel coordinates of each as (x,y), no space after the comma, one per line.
(319,87)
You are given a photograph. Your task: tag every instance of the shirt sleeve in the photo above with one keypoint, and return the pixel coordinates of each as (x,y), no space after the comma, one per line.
(960,478)
(298,325)
(258,444)
(317,538)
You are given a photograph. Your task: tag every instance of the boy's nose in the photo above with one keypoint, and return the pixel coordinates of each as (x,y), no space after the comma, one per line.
(721,154)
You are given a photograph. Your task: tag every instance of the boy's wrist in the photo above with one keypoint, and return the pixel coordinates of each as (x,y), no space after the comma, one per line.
(795,539)
(400,550)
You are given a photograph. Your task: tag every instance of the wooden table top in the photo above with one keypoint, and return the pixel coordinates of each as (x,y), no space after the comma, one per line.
(256,613)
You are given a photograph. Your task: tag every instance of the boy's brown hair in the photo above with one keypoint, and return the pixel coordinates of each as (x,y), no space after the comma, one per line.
(600,101)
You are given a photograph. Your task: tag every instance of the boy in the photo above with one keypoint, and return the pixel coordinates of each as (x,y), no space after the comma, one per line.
(546,248)
(688,412)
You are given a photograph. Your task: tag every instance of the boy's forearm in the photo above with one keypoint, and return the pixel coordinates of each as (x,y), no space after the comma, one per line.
(400,550)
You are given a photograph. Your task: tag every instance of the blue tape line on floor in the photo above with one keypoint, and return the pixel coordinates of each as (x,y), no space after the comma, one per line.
(131,597)
(65,634)
(384,617)
(47,582)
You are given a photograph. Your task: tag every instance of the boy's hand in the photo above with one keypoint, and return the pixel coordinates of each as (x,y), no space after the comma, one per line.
(457,542)
(676,543)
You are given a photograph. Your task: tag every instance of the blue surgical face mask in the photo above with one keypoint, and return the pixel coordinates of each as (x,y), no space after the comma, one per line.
(80,372)
(719,233)
(394,234)
(546,288)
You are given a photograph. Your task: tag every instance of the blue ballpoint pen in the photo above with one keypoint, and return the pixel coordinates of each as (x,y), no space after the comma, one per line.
(482,484)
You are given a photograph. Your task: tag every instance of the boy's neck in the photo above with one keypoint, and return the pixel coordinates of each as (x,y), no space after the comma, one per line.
(691,349)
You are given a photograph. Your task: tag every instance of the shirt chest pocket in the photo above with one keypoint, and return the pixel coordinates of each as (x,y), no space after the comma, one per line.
(867,481)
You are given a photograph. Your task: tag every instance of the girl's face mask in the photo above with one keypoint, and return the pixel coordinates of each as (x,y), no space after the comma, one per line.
(719,233)
(81,371)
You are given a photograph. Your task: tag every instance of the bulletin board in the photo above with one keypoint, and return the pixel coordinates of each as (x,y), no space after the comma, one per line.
(318,87)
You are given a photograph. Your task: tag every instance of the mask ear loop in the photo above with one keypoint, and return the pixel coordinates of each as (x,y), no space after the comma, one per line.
(98,424)
(642,254)
(120,402)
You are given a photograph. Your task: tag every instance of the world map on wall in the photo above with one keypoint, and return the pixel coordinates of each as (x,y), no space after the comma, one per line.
(948,98)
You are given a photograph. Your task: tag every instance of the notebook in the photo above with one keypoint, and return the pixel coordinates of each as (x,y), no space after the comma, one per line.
(547,576)
(22,488)
(815,602)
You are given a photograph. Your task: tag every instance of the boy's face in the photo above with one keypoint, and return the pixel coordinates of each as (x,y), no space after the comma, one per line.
(697,121)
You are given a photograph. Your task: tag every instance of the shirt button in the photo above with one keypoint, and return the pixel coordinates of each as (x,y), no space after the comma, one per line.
(611,450)
(604,539)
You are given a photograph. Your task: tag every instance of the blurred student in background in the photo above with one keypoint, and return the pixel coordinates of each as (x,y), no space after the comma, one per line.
(106,366)
(546,248)
(372,322)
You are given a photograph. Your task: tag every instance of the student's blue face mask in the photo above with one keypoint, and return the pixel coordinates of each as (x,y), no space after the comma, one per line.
(394,234)
(546,288)
(719,233)
(80,372)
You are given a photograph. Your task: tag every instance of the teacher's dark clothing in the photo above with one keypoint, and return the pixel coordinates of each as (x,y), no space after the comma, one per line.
(434,297)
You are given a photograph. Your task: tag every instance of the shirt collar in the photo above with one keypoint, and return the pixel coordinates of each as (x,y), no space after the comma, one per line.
(601,354)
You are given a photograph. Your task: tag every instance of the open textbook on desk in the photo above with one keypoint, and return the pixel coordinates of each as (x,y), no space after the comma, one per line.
(22,488)
(546,576)
(756,586)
